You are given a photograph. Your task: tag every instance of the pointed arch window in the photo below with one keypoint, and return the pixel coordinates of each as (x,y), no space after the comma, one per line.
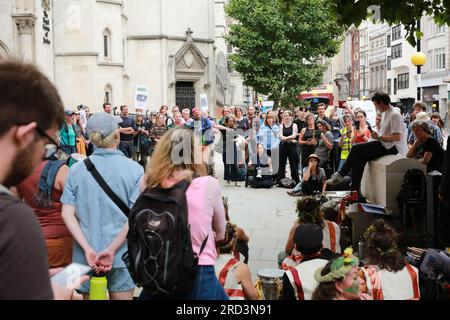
(107,44)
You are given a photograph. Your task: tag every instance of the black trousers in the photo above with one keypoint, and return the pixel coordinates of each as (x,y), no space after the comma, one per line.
(230,162)
(359,155)
(288,150)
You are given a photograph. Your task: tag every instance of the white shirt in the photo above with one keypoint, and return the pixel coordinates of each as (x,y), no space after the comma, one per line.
(392,122)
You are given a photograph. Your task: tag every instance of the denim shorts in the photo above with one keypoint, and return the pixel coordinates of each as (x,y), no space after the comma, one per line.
(119,280)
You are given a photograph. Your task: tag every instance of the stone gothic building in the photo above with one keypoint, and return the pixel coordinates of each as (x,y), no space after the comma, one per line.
(101,50)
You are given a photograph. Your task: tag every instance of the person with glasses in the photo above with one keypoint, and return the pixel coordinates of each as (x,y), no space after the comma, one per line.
(425,148)
(32,112)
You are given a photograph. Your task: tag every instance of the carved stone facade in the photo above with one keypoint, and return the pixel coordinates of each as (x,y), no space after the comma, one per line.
(98,50)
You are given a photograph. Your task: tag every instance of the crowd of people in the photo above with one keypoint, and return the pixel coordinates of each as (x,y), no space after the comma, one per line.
(54,211)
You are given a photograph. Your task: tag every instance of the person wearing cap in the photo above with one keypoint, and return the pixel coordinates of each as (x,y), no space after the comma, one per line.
(67,134)
(205,129)
(299,282)
(339,279)
(94,220)
(435,131)
(313,180)
(425,149)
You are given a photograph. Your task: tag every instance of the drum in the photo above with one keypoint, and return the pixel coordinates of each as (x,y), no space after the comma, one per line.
(271,281)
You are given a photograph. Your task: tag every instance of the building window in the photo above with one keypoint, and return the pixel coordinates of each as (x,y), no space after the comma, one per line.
(108,94)
(439,59)
(389,86)
(230,49)
(396,32)
(403,81)
(107,44)
(395,86)
(430,60)
(396,51)
(355,75)
(229,66)
(388,62)
(440,29)
(388,41)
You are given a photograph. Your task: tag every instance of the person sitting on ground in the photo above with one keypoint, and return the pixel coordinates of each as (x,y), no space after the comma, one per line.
(388,276)
(425,148)
(313,180)
(262,177)
(233,274)
(390,141)
(339,280)
(242,237)
(298,281)
(309,211)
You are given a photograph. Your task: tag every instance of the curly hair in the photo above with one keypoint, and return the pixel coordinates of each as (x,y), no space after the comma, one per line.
(228,243)
(308,211)
(382,250)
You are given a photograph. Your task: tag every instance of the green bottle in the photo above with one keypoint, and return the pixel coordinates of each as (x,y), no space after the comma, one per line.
(98,287)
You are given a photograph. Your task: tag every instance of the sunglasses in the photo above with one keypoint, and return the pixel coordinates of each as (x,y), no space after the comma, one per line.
(50,148)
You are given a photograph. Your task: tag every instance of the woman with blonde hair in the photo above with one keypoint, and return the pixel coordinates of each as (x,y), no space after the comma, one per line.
(171,165)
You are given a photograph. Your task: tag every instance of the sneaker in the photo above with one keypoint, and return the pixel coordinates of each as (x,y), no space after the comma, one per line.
(335,179)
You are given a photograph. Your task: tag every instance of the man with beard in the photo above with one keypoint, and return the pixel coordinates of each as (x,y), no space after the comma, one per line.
(31,111)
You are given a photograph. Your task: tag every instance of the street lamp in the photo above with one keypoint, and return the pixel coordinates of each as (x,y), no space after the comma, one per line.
(418,59)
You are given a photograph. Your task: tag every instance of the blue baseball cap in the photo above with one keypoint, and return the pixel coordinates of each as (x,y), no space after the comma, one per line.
(103,123)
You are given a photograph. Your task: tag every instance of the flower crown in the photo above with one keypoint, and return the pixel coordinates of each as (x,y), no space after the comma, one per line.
(339,268)
(380,251)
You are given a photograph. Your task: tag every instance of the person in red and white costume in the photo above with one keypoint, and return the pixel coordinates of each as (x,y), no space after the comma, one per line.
(310,211)
(233,274)
(339,280)
(388,276)
(299,282)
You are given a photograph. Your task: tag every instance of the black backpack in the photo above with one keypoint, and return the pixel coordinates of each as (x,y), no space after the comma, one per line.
(160,257)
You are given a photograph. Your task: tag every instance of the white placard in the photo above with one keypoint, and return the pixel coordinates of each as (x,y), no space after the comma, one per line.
(141,97)
(204,102)
(83,118)
(267,105)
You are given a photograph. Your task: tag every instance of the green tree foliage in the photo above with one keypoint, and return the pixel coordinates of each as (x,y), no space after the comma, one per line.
(405,12)
(280,46)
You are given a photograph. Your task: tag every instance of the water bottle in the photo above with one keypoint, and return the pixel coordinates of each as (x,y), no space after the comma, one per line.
(361,249)
(98,287)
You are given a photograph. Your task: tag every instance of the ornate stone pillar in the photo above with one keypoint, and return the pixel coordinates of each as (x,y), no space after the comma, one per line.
(25,29)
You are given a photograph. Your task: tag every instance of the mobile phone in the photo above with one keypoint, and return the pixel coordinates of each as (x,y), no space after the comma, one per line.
(70,275)
(317,134)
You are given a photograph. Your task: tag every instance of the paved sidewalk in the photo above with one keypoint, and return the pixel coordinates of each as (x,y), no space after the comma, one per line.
(266,215)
